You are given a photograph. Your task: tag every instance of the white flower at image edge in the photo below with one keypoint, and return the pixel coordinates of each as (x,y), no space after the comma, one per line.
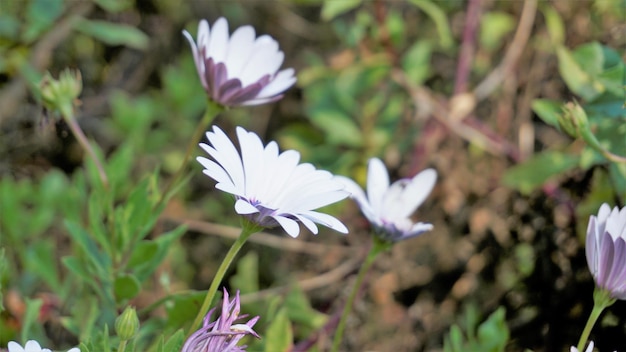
(271,188)
(32,346)
(589,348)
(239,69)
(389,207)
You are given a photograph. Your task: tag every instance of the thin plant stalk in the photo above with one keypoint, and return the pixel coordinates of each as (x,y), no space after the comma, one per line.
(212,110)
(378,247)
(601,300)
(68,116)
(248,228)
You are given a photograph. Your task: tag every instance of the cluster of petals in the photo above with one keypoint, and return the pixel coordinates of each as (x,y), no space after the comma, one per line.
(271,188)
(389,207)
(32,346)
(606,250)
(221,335)
(240,69)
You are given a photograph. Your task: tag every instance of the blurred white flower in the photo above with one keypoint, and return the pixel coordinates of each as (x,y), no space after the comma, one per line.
(240,69)
(606,250)
(389,207)
(589,348)
(32,346)
(271,188)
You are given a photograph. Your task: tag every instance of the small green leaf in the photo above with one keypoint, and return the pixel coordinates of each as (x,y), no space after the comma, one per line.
(554,23)
(279,335)
(548,110)
(247,278)
(440,18)
(535,172)
(33,307)
(416,62)
(175,342)
(114,34)
(126,286)
(494,26)
(40,15)
(577,80)
(334,8)
(340,129)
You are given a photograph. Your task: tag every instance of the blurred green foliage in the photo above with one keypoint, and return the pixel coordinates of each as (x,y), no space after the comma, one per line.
(490,336)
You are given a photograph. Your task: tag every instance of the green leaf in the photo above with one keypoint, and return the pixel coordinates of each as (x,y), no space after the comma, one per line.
(143,270)
(535,172)
(41,260)
(114,5)
(416,62)
(334,8)
(100,261)
(40,15)
(279,335)
(126,286)
(577,80)
(340,129)
(33,307)
(114,34)
(440,18)
(548,110)
(247,278)
(554,23)
(300,310)
(77,267)
(617,172)
(493,333)
(494,26)
(175,342)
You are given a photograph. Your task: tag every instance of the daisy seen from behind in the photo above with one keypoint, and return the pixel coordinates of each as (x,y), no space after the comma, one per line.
(389,207)
(239,69)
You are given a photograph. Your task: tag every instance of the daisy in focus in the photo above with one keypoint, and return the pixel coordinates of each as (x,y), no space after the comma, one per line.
(271,188)
(221,335)
(239,69)
(32,346)
(389,207)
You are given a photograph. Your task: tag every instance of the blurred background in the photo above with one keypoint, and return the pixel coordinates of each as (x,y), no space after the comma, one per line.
(465,87)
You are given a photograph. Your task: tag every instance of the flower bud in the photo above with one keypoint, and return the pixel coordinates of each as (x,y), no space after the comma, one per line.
(127,324)
(61,94)
(573,120)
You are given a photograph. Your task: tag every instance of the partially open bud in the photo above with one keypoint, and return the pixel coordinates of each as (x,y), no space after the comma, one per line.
(61,94)
(127,324)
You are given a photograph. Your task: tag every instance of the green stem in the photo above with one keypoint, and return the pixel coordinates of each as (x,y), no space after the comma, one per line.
(247,230)
(68,115)
(378,247)
(122,346)
(601,300)
(211,112)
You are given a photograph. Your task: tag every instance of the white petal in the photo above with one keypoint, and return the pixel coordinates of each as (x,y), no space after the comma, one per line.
(252,158)
(326,220)
(289,225)
(218,42)
(283,80)
(204,34)
(267,59)
(239,50)
(226,154)
(14,347)
(411,196)
(377,184)
(243,207)
(307,223)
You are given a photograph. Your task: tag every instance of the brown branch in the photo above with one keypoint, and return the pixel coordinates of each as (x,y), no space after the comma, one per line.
(513,53)
(262,238)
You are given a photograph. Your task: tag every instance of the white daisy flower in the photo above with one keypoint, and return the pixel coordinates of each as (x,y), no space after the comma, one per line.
(389,208)
(271,188)
(31,346)
(240,69)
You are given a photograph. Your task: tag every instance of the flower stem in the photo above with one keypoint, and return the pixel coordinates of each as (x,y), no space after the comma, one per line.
(247,230)
(68,115)
(378,247)
(601,300)
(122,346)
(211,112)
